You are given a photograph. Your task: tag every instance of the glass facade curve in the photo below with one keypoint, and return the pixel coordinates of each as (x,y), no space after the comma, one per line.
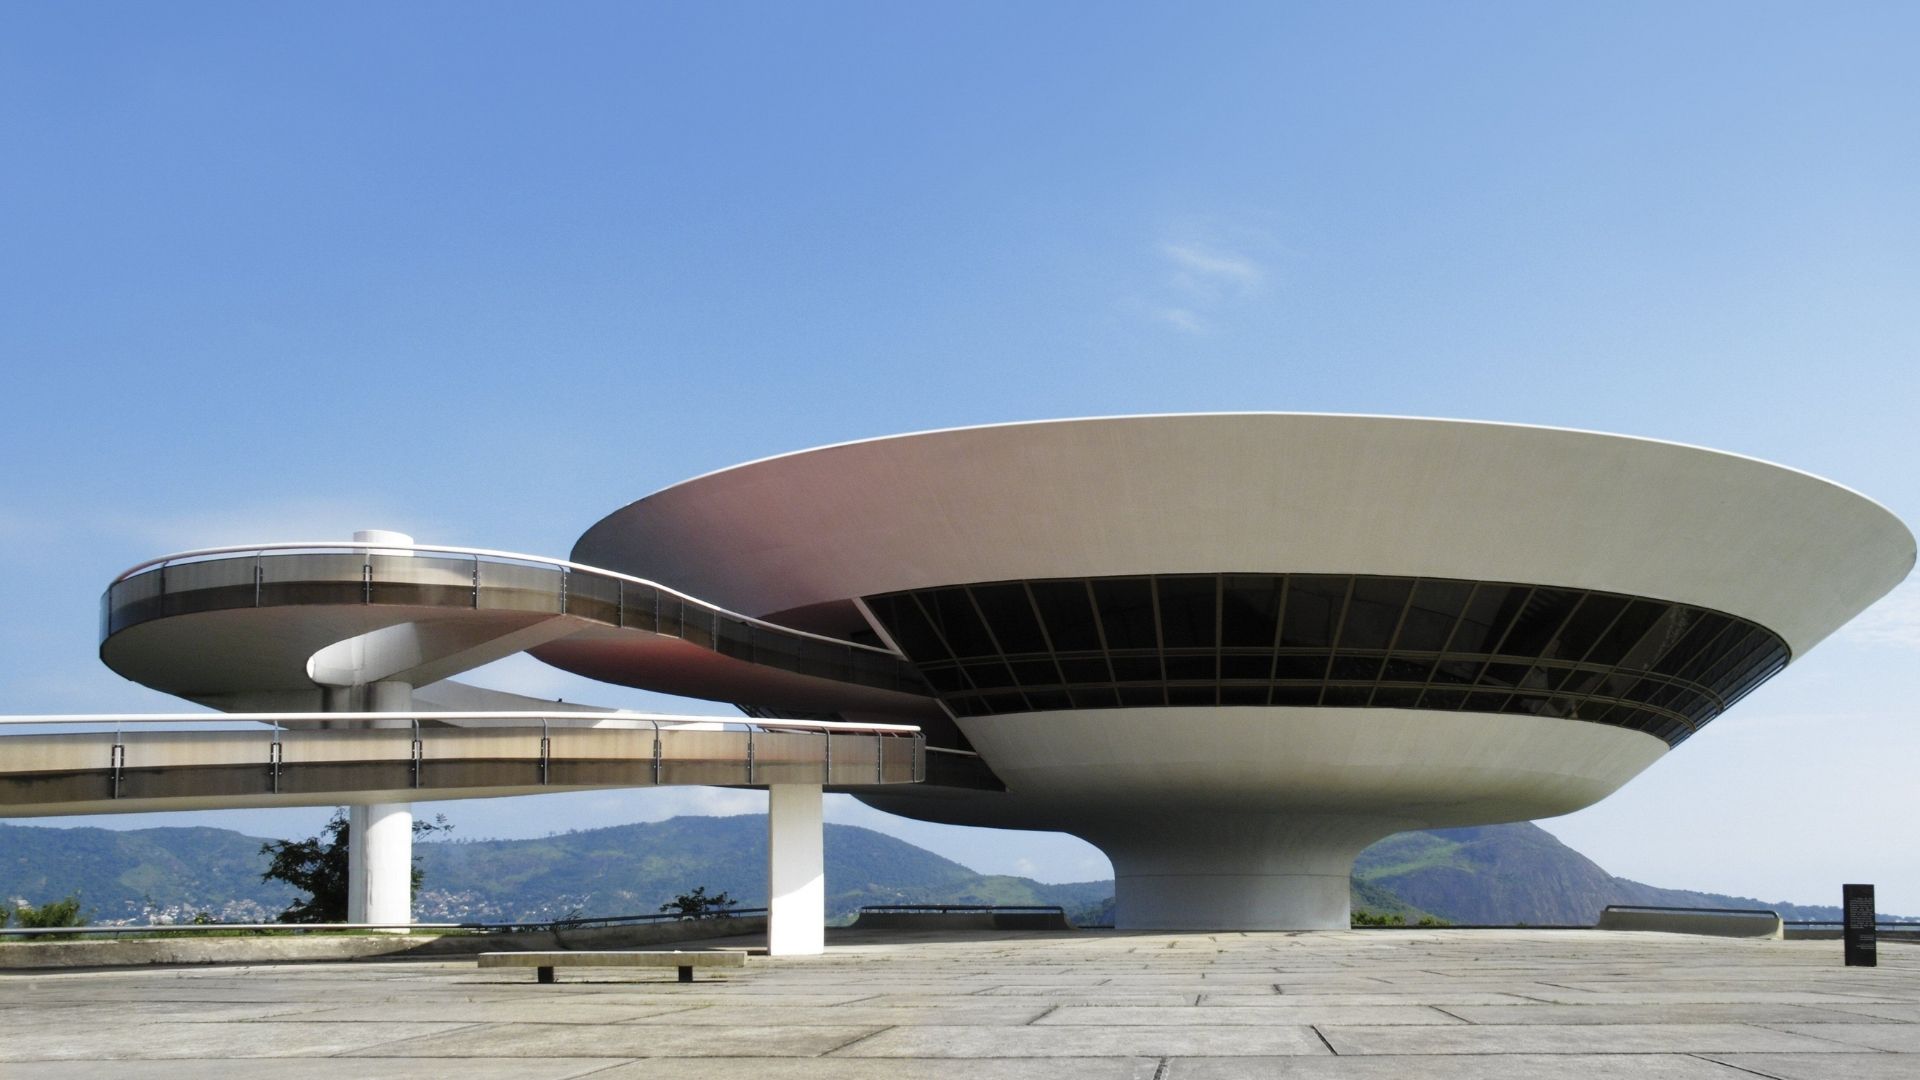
(1347,641)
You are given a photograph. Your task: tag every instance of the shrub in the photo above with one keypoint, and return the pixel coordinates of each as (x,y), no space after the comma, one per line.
(698,905)
(53,913)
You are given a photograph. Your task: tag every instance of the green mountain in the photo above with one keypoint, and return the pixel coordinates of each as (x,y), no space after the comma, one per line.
(141,874)
(1497,874)
(631,869)
(128,874)
(1518,873)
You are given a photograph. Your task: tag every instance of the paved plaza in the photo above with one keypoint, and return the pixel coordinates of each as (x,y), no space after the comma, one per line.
(1105,1005)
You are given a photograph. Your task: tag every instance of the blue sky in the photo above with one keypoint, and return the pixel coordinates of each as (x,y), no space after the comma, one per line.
(484,273)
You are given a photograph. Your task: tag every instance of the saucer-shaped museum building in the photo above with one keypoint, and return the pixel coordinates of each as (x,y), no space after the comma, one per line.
(1233,650)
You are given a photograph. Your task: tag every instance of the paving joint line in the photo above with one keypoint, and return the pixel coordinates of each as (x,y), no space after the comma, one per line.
(1323,1039)
(1736,1068)
(856,1039)
(598,1069)
(389,1042)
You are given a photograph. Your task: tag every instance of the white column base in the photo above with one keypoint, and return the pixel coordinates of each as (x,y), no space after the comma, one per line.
(380,863)
(796,871)
(1232,902)
(1228,871)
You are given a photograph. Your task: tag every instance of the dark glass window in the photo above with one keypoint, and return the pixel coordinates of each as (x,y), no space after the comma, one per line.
(1626,632)
(952,614)
(903,619)
(1126,612)
(1331,641)
(1374,612)
(1586,624)
(1187,611)
(1538,622)
(1011,617)
(1313,610)
(1436,606)
(1249,611)
(1068,614)
(1486,618)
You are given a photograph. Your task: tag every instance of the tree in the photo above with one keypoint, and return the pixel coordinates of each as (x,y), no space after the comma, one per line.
(698,905)
(51,914)
(317,866)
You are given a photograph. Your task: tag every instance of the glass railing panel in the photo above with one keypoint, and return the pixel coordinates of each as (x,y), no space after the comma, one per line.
(208,585)
(318,578)
(520,587)
(789,758)
(134,600)
(437,581)
(735,638)
(639,606)
(591,596)
(696,625)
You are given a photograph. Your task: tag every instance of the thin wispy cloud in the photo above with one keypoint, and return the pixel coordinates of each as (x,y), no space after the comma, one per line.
(1894,621)
(1211,271)
(1201,282)
(1182,319)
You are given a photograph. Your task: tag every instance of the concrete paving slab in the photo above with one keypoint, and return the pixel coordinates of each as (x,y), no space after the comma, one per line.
(1442,996)
(181,1039)
(319,1068)
(1577,1039)
(1899,1038)
(877,1016)
(1037,1041)
(1278,1013)
(1906,1014)
(1760,1013)
(1820,1066)
(492,1012)
(1099,1006)
(841,1068)
(1460,1067)
(624,1041)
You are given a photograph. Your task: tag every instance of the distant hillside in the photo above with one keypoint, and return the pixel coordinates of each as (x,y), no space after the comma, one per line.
(623,870)
(1504,874)
(636,868)
(124,874)
(1499,874)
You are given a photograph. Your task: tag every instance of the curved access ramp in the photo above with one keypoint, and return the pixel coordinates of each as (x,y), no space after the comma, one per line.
(135,763)
(271,627)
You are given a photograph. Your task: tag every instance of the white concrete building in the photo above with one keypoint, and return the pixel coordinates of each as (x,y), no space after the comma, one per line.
(1229,650)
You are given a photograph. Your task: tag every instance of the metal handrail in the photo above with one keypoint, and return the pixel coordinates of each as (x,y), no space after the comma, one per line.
(373,548)
(588,923)
(499,719)
(1695,910)
(948,909)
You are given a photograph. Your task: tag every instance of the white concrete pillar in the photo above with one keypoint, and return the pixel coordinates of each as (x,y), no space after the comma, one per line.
(796,871)
(1228,871)
(380,837)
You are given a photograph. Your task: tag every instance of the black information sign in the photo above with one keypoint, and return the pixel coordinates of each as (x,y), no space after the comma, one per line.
(1856,915)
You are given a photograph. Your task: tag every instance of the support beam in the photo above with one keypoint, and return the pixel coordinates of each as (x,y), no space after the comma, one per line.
(796,871)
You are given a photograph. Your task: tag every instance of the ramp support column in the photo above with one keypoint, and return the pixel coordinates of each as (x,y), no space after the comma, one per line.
(796,871)
(380,839)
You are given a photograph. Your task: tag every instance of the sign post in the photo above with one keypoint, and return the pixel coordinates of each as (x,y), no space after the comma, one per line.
(1856,926)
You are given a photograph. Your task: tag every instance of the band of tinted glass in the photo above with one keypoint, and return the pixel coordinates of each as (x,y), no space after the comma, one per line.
(1354,641)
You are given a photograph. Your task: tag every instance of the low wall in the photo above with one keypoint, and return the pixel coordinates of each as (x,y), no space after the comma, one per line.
(961,920)
(1713,923)
(307,948)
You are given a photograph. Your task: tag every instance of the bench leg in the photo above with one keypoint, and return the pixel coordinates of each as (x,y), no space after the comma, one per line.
(686,974)
(544,974)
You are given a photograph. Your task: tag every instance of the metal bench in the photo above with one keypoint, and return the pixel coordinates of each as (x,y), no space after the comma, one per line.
(543,963)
